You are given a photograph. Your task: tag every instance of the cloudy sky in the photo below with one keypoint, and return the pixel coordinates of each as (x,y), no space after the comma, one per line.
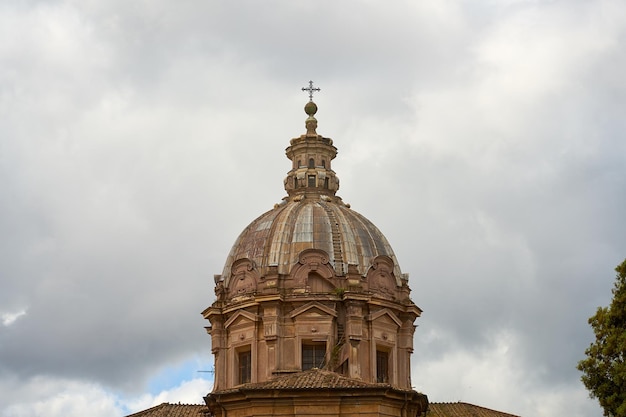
(137,139)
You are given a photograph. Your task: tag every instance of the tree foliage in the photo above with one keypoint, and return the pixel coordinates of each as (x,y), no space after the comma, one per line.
(604,369)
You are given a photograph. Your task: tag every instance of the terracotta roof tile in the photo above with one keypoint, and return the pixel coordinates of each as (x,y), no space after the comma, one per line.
(318,380)
(312,378)
(462,410)
(173,410)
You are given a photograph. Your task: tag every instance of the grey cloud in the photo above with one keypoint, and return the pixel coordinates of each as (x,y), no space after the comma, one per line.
(137,141)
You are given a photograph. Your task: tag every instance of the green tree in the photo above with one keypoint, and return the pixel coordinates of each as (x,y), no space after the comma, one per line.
(604,369)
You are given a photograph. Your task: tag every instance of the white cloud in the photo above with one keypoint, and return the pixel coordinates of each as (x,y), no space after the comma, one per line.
(187,392)
(10,318)
(49,397)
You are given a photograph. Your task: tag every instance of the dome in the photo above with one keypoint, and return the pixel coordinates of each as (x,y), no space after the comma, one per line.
(311,217)
(277,237)
(310,284)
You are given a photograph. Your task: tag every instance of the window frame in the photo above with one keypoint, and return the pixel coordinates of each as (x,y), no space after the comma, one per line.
(318,357)
(244,370)
(382,366)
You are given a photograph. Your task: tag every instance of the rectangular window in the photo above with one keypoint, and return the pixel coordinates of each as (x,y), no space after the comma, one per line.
(382,366)
(245,366)
(311,180)
(313,355)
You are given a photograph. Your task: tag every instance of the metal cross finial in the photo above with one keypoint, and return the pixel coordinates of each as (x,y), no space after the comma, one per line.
(310,89)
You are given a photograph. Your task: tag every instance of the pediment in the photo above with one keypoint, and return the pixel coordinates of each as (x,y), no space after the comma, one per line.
(385,316)
(313,257)
(242,265)
(313,308)
(310,261)
(240,317)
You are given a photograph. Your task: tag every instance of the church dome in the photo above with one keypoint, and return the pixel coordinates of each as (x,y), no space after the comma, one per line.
(310,284)
(311,217)
(277,238)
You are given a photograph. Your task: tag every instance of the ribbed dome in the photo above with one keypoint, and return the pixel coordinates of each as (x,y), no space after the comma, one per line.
(312,216)
(277,237)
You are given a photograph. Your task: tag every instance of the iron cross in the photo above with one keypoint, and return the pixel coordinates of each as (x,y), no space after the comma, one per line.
(310,90)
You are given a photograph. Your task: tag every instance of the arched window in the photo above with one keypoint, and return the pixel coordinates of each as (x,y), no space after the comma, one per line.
(323,163)
(311,163)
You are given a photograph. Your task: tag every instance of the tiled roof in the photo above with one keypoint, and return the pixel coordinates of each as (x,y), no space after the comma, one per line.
(173,410)
(313,378)
(462,410)
(434,410)
(310,379)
